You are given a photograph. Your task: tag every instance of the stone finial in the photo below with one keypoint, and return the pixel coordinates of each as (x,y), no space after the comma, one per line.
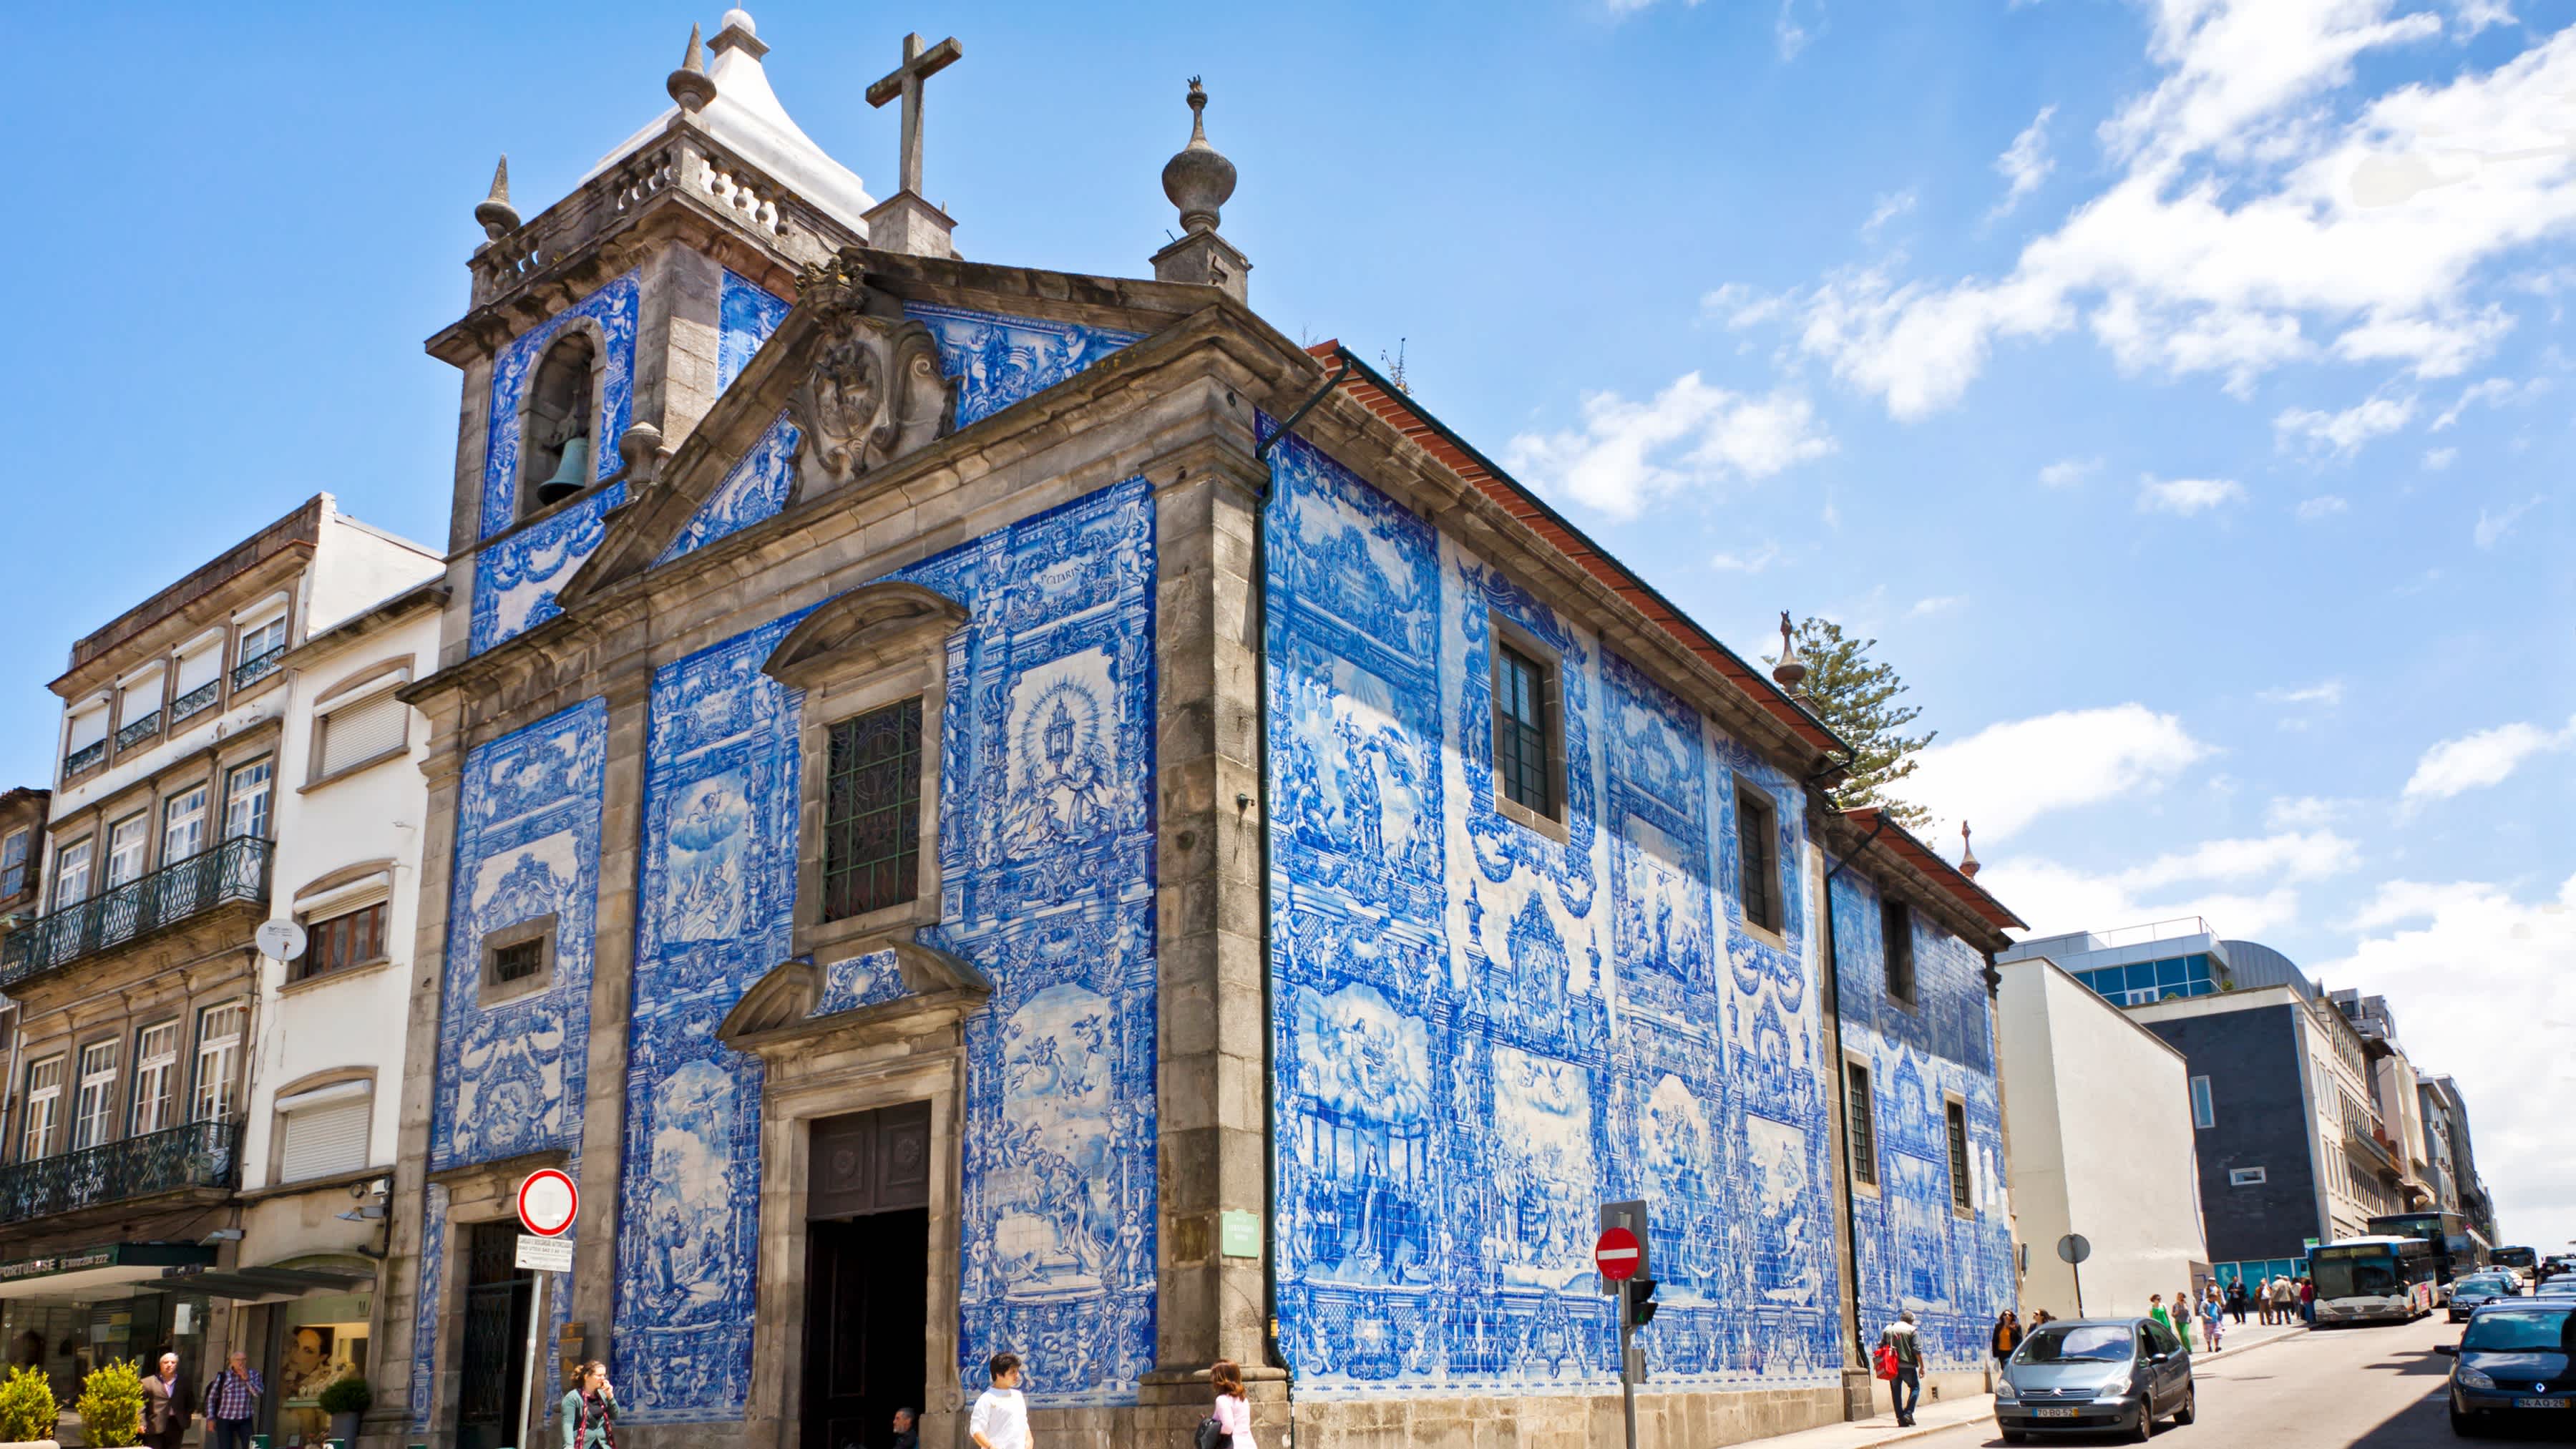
(690,85)
(1791,671)
(1198,179)
(1967,853)
(494,213)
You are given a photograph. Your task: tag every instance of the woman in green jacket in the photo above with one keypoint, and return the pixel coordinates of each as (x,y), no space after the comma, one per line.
(590,1411)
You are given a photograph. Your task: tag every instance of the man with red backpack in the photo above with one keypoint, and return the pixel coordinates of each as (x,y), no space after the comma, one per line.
(1900,1362)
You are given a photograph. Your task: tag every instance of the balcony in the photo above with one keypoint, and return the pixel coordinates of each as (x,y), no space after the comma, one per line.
(235,872)
(196,701)
(200,1155)
(258,667)
(2373,1151)
(87,757)
(138,731)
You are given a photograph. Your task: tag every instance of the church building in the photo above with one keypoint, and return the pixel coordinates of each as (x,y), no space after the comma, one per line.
(976,808)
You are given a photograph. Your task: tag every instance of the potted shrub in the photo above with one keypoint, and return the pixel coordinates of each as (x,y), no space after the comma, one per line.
(111,1405)
(345,1399)
(27,1411)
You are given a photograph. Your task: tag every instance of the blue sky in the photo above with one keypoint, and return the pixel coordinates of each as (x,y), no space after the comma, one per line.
(2178,391)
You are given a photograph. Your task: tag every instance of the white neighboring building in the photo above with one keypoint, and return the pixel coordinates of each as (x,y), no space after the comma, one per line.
(2098,1117)
(327,1072)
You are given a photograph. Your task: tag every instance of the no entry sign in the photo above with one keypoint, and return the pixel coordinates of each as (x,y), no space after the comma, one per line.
(1616,1254)
(548,1202)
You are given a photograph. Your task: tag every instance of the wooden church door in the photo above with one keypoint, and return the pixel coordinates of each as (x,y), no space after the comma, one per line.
(867,1266)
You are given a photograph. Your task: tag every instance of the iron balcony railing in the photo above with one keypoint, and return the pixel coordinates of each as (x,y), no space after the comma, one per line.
(196,701)
(257,667)
(234,871)
(138,731)
(200,1154)
(86,756)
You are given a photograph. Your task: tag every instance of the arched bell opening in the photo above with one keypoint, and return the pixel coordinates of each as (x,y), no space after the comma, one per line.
(559,429)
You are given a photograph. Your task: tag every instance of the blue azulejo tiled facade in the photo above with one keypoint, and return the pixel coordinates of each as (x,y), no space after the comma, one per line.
(1915,1246)
(1483,1030)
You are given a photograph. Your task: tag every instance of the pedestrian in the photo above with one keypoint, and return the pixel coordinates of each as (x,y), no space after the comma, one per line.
(166,1410)
(2213,1316)
(2039,1318)
(2307,1299)
(2007,1335)
(1232,1414)
(2156,1309)
(907,1430)
(1907,1387)
(2279,1298)
(2236,1301)
(2181,1321)
(1001,1419)
(232,1401)
(590,1410)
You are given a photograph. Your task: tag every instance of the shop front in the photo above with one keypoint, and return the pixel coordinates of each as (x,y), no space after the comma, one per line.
(69,1312)
(305,1323)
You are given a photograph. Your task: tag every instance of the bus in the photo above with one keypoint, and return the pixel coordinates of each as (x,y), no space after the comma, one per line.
(2456,1252)
(2372,1280)
(2522,1258)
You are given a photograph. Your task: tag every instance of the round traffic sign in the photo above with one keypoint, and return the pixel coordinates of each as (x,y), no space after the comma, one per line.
(2074,1248)
(548,1202)
(1616,1254)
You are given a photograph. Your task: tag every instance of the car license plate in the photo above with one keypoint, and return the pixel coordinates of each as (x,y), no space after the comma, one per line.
(2068,1413)
(2540,1403)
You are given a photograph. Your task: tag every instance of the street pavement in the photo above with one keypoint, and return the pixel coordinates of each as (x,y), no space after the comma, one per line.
(2356,1388)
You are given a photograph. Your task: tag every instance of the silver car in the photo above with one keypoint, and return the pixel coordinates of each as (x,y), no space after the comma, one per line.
(2092,1374)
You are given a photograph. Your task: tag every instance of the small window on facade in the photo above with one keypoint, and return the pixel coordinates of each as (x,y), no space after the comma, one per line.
(518,960)
(94,1110)
(1757,835)
(183,825)
(128,840)
(156,1072)
(559,414)
(323,1133)
(200,684)
(246,793)
(355,734)
(262,645)
(13,863)
(872,812)
(2245,1177)
(1962,1196)
(2202,1114)
(1524,744)
(1896,941)
(354,938)
(44,1107)
(71,874)
(1862,1114)
(219,1046)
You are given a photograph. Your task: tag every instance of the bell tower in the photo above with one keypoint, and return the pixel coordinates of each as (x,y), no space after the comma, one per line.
(601,328)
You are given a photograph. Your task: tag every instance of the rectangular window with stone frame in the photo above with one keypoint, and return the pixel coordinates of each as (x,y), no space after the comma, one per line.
(1528,720)
(1757,836)
(1896,946)
(872,811)
(1860,1116)
(518,960)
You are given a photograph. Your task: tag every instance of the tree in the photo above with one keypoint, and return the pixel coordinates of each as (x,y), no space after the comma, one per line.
(1856,697)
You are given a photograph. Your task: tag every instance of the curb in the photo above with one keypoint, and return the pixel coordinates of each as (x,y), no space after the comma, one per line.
(1920,1430)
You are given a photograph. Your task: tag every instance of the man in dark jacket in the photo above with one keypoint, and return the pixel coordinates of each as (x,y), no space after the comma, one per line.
(907,1430)
(166,1410)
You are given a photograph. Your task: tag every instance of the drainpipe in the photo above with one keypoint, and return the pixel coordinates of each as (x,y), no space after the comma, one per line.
(1261,801)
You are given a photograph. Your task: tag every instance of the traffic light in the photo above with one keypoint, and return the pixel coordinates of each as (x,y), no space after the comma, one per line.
(1641,1302)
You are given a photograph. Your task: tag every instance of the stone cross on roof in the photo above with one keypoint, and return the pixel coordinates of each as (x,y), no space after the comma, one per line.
(905,80)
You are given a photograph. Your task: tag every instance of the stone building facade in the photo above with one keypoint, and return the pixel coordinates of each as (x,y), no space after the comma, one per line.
(975,808)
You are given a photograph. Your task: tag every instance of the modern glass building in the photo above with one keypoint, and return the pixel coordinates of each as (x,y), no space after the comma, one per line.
(2140,965)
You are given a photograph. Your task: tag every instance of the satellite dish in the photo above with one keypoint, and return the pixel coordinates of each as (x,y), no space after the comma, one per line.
(280,940)
(2074,1248)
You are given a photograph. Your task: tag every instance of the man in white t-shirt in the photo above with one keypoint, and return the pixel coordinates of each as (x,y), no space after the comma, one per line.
(1001,1418)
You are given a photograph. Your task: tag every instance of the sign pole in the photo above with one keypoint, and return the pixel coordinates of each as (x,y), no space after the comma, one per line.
(528,1385)
(2078,1270)
(1627,1380)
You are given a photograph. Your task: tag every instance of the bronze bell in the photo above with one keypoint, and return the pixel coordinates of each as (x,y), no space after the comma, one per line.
(571,474)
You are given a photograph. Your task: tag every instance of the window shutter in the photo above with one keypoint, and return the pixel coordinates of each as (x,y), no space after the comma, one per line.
(325,1139)
(362,731)
(89,729)
(200,668)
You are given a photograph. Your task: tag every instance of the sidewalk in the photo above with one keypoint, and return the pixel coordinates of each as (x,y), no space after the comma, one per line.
(1930,1417)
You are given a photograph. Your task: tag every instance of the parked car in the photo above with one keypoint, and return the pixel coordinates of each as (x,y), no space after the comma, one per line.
(2513,1362)
(2092,1374)
(2562,1286)
(2479,1289)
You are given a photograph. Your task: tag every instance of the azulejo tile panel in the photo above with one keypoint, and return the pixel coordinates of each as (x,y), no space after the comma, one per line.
(1046,858)
(716,904)
(610,312)
(517,578)
(999,360)
(1913,1247)
(755,488)
(424,1319)
(1472,1050)
(746,314)
(510,1075)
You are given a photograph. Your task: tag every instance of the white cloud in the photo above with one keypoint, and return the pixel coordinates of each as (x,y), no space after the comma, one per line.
(2324,505)
(2007,775)
(1937,604)
(2450,957)
(1889,208)
(2067,472)
(2438,459)
(2493,392)
(1798,24)
(2184,497)
(2341,434)
(1739,306)
(2245,229)
(1690,435)
(2303,812)
(2328,692)
(2476,761)
(2477,15)
(2492,527)
(2242,886)
(1753,562)
(2026,162)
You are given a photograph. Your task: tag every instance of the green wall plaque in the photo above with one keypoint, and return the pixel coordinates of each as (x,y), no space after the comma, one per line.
(1238,1234)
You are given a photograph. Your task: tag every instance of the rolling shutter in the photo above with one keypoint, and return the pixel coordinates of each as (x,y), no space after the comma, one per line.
(324,1132)
(362,731)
